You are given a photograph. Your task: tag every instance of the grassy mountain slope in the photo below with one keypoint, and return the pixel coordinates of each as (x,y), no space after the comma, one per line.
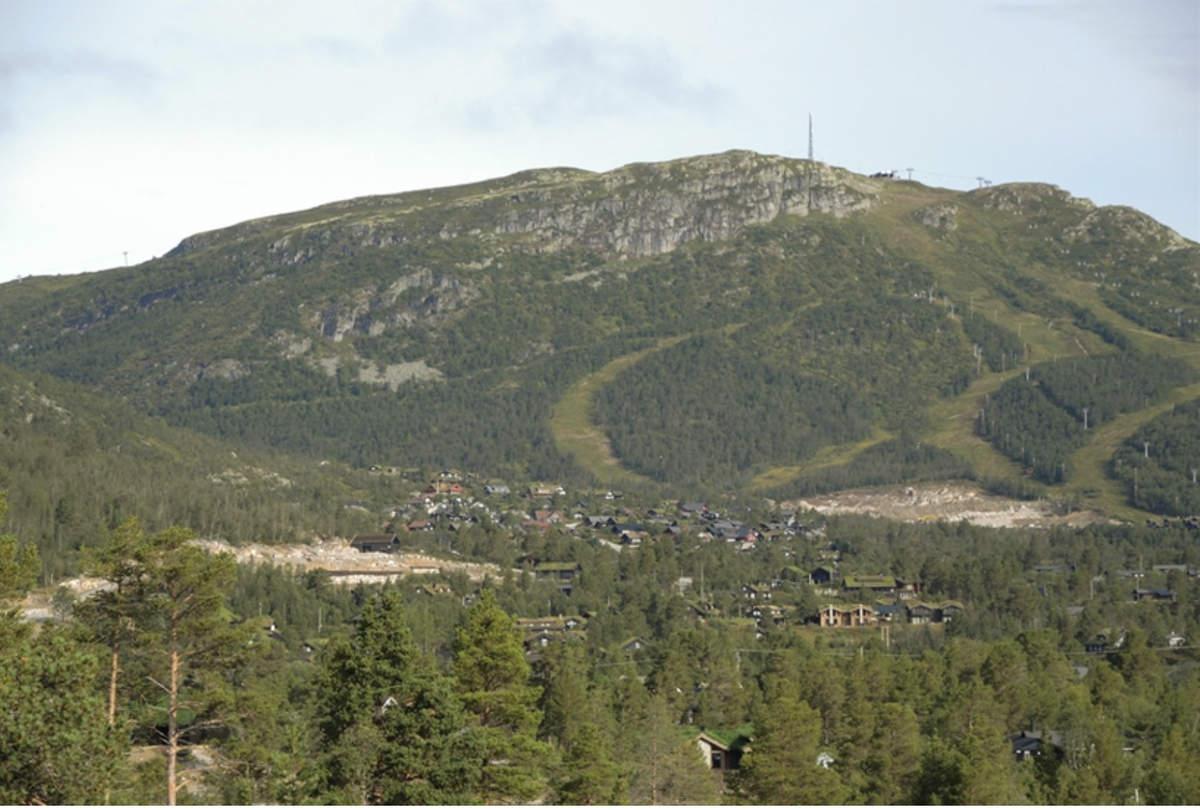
(725,321)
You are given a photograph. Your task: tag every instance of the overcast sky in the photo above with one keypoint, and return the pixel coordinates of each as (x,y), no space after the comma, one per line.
(126,126)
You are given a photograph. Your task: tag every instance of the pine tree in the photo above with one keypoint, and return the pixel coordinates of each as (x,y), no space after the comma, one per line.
(115,613)
(782,766)
(493,682)
(56,746)
(188,637)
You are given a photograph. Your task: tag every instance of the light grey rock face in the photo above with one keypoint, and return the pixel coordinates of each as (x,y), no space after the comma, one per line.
(227,369)
(632,212)
(369,312)
(943,216)
(645,210)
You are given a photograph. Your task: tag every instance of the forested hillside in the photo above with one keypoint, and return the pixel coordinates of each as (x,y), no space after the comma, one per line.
(785,316)
(513,472)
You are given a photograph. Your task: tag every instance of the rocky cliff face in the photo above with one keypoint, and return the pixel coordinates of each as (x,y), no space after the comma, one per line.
(644,210)
(633,212)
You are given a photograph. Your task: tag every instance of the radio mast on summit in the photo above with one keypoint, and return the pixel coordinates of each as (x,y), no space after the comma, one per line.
(810,145)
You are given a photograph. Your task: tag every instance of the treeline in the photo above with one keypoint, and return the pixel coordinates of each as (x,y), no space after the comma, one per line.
(1038,418)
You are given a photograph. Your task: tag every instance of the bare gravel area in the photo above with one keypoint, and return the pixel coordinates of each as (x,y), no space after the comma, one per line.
(346,564)
(949,502)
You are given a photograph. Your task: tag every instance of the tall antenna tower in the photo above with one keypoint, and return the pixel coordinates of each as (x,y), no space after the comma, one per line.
(810,144)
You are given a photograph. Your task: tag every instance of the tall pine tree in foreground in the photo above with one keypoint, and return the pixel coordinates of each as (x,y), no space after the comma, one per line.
(189,639)
(493,682)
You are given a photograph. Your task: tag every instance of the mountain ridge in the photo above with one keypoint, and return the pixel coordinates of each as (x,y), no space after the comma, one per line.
(479,305)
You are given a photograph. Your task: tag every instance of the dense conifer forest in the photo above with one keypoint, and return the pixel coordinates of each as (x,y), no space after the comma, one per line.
(189,678)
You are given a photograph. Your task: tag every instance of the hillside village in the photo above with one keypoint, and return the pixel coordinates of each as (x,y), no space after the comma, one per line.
(446,507)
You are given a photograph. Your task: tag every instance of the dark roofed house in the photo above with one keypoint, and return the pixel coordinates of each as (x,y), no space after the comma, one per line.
(1028,744)
(1105,641)
(887,613)
(562,573)
(822,575)
(379,543)
(1153,595)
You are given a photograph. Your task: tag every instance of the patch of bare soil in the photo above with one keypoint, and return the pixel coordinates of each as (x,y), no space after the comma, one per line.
(336,555)
(949,502)
(346,564)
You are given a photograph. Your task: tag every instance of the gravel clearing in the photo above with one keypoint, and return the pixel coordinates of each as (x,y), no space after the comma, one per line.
(951,503)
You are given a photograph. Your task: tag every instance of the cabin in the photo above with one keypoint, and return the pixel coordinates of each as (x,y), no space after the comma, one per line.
(1104,642)
(822,575)
(846,616)
(633,645)
(376,543)
(721,752)
(1029,744)
(561,573)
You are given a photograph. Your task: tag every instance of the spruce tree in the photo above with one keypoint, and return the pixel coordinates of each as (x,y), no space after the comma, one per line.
(589,773)
(393,730)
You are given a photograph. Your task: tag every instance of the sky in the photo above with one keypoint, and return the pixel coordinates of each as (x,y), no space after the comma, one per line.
(127,125)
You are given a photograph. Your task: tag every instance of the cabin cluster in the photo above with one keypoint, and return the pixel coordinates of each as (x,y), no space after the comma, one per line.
(865,615)
(1191,522)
